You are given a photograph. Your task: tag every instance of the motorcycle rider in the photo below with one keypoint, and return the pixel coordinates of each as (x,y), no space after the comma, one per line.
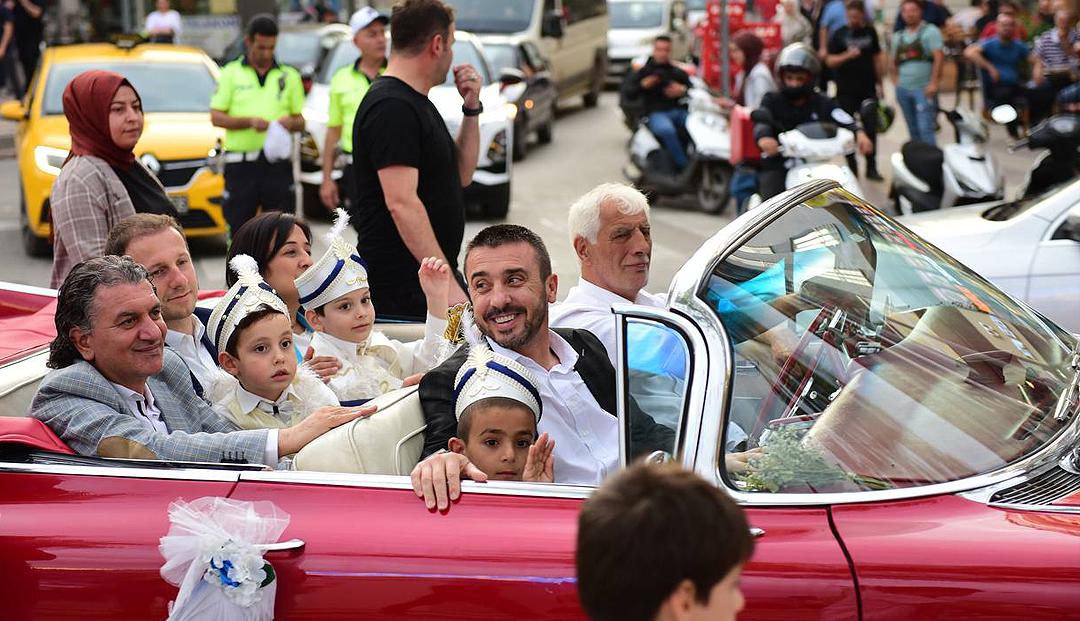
(796,103)
(662,85)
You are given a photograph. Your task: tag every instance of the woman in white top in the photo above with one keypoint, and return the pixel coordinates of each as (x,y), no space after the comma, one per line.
(163,25)
(756,78)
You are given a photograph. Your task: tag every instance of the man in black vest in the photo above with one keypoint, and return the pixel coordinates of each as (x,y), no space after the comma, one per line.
(510,283)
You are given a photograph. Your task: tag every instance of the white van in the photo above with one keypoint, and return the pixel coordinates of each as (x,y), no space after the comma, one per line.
(635,24)
(572,34)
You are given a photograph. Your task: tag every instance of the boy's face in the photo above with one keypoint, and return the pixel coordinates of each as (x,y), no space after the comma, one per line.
(499,440)
(265,361)
(725,600)
(349,318)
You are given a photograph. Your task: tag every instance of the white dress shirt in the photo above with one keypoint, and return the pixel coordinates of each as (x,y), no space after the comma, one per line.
(169,19)
(142,407)
(588,307)
(193,352)
(586,437)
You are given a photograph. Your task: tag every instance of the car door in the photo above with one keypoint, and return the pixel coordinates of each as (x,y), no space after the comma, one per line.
(373,550)
(669,368)
(79,536)
(1054,285)
(541,87)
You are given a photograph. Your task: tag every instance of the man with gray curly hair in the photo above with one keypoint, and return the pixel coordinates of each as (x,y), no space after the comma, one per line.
(115,391)
(612,238)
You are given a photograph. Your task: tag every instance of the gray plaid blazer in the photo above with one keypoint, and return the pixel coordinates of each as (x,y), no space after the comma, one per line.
(87,412)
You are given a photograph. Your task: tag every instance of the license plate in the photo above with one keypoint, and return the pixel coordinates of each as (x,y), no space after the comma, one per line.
(180,203)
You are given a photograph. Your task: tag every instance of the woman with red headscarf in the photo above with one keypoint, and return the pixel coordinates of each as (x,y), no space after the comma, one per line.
(101,182)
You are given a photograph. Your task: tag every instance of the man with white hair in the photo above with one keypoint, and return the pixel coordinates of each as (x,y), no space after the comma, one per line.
(610,231)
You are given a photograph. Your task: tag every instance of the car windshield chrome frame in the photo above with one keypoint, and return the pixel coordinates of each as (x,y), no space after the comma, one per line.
(688,431)
(683,298)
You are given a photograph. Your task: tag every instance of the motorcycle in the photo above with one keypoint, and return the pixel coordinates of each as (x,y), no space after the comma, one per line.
(1060,136)
(809,151)
(707,140)
(926,177)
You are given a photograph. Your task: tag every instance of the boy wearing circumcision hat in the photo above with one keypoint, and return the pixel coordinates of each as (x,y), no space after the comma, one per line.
(260,386)
(498,407)
(337,303)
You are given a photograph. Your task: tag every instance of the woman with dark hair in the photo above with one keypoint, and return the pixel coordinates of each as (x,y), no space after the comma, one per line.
(756,78)
(281,246)
(101,182)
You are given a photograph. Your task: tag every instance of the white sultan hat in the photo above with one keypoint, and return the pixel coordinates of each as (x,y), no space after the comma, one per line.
(339,271)
(487,374)
(245,297)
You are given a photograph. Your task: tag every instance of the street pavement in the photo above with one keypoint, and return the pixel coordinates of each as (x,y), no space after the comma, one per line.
(589,148)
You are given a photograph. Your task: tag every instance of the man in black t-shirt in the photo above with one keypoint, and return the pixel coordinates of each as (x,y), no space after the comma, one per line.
(409,171)
(29,31)
(662,87)
(858,64)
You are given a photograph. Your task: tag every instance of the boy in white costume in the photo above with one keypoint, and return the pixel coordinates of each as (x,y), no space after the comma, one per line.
(337,301)
(260,385)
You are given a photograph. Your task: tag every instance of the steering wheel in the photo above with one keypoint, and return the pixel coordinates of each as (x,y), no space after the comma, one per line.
(788,368)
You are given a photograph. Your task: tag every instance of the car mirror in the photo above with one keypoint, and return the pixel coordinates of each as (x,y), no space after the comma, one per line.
(552,25)
(1003,114)
(13,110)
(511,75)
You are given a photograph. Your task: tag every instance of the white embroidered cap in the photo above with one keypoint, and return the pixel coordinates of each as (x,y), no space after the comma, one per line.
(487,374)
(339,271)
(243,298)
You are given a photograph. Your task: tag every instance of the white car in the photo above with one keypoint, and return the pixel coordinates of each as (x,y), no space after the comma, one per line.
(1030,248)
(490,187)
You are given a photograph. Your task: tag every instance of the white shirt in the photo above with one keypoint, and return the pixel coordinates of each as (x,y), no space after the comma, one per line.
(142,407)
(586,437)
(160,21)
(758,82)
(251,401)
(191,349)
(588,307)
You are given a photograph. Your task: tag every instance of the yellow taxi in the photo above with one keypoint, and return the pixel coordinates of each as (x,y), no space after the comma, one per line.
(178,143)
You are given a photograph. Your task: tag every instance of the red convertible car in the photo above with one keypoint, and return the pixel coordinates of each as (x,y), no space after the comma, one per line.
(920,459)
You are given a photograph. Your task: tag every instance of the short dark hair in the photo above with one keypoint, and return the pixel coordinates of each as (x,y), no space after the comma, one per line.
(501,234)
(264,310)
(139,225)
(464,425)
(414,22)
(915,2)
(1008,3)
(856,5)
(75,301)
(261,237)
(683,527)
(262,24)
(662,38)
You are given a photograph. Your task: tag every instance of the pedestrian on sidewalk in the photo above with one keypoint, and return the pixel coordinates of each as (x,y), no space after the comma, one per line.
(916,68)
(1001,59)
(1055,61)
(9,75)
(858,63)
(29,32)
(409,170)
(164,24)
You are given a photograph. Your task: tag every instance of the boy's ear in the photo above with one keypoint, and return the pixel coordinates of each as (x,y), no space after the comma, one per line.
(313,318)
(228,363)
(680,605)
(456,445)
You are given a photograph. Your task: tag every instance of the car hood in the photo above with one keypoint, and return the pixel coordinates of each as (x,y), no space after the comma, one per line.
(167,135)
(956,222)
(317,103)
(448,101)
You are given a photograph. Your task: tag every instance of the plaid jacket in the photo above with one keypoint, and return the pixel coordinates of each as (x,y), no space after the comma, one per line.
(87,200)
(87,412)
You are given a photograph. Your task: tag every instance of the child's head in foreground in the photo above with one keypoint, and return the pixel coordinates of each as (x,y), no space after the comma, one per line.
(659,543)
(334,291)
(498,407)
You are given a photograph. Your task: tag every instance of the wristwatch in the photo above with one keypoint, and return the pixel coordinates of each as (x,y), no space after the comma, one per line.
(472,111)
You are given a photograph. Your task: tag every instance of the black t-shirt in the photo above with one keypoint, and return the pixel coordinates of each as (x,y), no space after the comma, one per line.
(29,30)
(397,126)
(788,116)
(654,98)
(856,75)
(144,191)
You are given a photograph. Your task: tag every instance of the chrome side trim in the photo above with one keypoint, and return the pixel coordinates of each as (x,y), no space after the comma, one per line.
(16,287)
(1040,508)
(185,474)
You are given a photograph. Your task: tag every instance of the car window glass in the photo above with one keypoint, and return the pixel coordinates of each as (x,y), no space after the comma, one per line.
(163,87)
(481,16)
(578,10)
(657,363)
(1010,209)
(534,57)
(343,55)
(297,49)
(1070,227)
(866,359)
(466,52)
(647,14)
(502,57)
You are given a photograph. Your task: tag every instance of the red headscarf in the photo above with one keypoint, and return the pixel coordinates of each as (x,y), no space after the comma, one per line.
(86,106)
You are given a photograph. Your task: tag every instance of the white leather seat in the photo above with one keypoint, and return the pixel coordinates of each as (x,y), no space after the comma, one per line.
(19,383)
(387,442)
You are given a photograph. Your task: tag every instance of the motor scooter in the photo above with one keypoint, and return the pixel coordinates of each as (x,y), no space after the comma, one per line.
(1060,163)
(707,139)
(927,177)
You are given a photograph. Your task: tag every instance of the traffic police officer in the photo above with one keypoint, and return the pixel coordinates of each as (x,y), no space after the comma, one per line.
(347,90)
(253,92)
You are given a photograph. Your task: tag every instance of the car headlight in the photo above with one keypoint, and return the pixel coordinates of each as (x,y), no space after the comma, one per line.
(49,159)
(497,148)
(511,111)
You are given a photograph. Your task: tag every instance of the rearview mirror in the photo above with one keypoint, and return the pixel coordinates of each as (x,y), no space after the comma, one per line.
(1003,114)
(511,75)
(552,25)
(13,110)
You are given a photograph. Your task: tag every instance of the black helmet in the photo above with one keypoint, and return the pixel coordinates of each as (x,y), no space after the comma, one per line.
(798,56)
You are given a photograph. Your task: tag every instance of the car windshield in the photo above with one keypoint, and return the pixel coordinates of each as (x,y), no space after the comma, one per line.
(467,53)
(501,57)
(297,49)
(163,87)
(492,16)
(344,54)
(1011,209)
(867,359)
(636,14)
